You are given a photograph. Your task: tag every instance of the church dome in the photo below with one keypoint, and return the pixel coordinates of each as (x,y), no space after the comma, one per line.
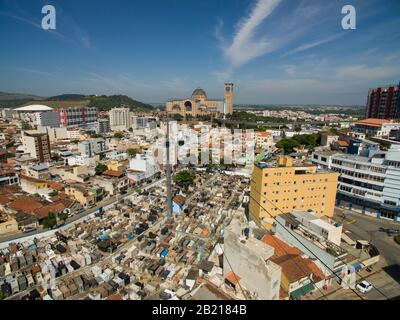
(199,92)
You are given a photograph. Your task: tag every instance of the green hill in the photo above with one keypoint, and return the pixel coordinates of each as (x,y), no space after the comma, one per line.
(12,100)
(104,103)
(69,97)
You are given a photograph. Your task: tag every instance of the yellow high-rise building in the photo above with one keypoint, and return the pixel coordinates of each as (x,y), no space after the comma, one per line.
(290,188)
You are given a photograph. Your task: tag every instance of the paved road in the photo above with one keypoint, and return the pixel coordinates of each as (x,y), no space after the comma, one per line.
(386,280)
(77,217)
(367,228)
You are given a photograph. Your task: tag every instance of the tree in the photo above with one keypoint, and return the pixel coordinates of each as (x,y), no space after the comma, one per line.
(25,126)
(63,216)
(9,155)
(50,221)
(177,117)
(287,144)
(100,168)
(53,193)
(185,178)
(130,129)
(132,152)
(297,127)
(95,135)
(138,190)
(10,144)
(118,135)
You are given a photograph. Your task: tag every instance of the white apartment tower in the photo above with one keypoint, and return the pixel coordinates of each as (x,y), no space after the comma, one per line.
(120,119)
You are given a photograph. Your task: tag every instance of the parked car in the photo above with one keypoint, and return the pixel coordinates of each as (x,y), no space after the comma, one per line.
(364,286)
(28,229)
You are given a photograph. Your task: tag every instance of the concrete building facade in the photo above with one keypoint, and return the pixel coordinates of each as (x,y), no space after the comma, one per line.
(75,116)
(368,185)
(37,144)
(103,126)
(120,119)
(285,188)
(384,103)
(249,260)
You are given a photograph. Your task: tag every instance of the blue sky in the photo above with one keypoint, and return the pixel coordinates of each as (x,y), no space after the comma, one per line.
(275,51)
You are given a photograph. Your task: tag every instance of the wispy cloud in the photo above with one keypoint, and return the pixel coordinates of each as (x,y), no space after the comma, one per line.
(368,73)
(36,72)
(310,45)
(78,35)
(218,31)
(28,20)
(224,74)
(107,82)
(244,46)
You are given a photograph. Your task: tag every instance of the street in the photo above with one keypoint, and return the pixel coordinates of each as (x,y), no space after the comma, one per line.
(385,276)
(367,228)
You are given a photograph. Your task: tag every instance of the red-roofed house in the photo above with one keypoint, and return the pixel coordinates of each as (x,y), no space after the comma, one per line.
(299,275)
(43,212)
(375,127)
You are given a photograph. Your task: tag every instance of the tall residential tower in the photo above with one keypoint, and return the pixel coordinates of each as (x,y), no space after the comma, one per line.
(384,103)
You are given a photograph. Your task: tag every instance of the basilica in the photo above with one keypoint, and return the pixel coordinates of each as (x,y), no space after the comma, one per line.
(198,104)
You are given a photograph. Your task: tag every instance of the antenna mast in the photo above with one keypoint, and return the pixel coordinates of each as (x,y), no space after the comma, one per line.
(168,174)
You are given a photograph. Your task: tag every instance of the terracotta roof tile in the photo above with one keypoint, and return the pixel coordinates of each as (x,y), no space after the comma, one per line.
(4,199)
(116,296)
(7,171)
(317,273)
(342,143)
(294,267)
(373,122)
(178,199)
(281,248)
(263,134)
(232,278)
(112,173)
(25,204)
(42,212)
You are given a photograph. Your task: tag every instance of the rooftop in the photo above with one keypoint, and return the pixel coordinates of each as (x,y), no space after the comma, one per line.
(281,248)
(34,108)
(293,266)
(232,278)
(113,173)
(199,92)
(372,122)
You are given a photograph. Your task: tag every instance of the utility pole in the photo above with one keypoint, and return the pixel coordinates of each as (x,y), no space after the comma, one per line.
(168,174)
